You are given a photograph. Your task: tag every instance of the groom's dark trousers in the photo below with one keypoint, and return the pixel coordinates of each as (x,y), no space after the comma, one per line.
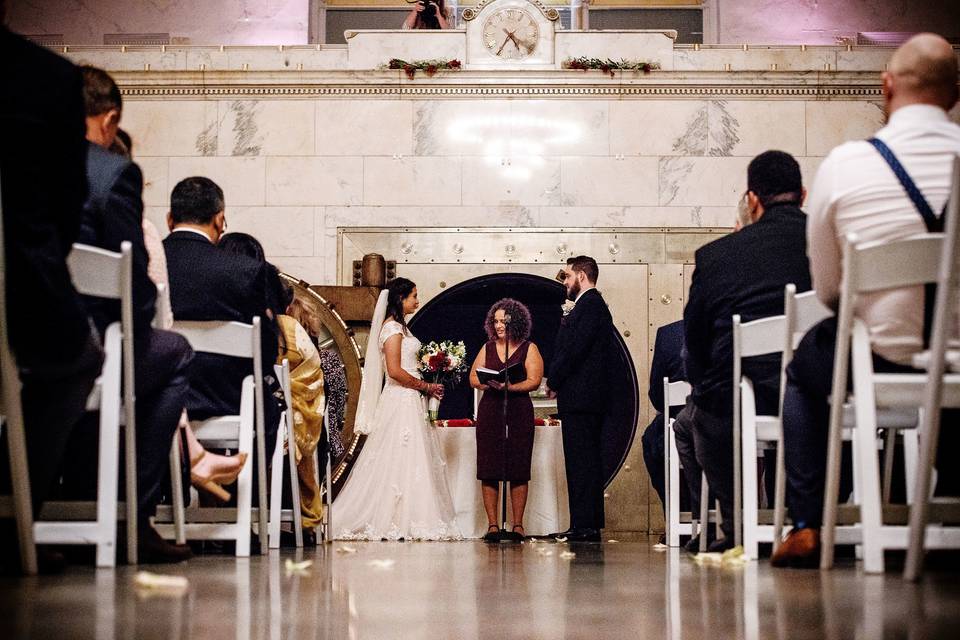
(578,373)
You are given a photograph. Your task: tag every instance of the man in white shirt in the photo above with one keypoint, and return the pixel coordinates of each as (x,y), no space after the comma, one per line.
(857,191)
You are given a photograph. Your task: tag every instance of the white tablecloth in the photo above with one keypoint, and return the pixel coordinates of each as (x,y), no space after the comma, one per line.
(546,510)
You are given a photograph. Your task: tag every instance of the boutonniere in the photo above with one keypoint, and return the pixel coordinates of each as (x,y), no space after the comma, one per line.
(568,307)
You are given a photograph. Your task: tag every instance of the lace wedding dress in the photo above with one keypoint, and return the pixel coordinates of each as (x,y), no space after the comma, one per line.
(398,487)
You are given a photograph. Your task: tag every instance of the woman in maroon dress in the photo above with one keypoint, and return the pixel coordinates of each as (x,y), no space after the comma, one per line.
(504,454)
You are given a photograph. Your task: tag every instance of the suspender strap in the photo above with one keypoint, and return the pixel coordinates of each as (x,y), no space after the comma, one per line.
(933,224)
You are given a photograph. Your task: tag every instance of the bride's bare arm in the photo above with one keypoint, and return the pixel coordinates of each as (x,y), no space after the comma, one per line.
(391,353)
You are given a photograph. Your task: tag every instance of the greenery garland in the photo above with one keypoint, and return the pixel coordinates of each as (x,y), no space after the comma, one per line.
(430,67)
(609,66)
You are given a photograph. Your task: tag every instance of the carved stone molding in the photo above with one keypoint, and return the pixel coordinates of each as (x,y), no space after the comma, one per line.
(546,84)
(549,12)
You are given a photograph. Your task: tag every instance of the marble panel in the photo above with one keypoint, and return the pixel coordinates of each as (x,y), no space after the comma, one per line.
(630,45)
(266,127)
(433,216)
(156,190)
(864,59)
(808,169)
(459,127)
(242,179)
(702,181)
(314,181)
(158,216)
(171,128)
(364,127)
(136,60)
(518,180)
(831,123)
(412,181)
(706,128)
(754,59)
(624,181)
(650,216)
(283,231)
(560,128)
(368,49)
(312,269)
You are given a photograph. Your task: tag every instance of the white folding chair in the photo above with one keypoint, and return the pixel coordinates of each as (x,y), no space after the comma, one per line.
(867,268)
(765,336)
(285,440)
(243,341)
(681,523)
(935,392)
(326,527)
(12,415)
(104,274)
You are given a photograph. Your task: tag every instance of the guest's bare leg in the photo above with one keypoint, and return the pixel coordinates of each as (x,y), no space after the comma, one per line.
(491,496)
(518,502)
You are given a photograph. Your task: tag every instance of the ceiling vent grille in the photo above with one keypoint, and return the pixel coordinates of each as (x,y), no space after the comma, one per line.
(136,39)
(46,39)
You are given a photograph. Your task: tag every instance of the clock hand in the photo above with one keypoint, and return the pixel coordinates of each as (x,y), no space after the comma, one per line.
(512,38)
(505,40)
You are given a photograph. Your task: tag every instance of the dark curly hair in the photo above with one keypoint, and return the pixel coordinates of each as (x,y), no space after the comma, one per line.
(520,323)
(398,289)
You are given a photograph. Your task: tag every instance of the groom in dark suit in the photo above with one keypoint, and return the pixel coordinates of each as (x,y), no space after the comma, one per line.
(578,379)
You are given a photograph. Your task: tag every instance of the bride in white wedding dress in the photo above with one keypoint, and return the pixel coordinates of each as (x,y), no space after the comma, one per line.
(397,489)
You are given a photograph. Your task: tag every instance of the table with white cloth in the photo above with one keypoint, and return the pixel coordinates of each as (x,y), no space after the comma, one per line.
(547,509)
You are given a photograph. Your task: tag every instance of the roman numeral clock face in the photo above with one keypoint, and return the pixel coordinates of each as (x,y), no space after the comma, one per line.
(511,34)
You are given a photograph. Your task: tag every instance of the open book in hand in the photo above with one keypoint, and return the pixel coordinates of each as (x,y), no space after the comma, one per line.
(515,371)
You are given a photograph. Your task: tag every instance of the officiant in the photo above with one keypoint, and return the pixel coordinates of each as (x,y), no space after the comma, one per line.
(506,370)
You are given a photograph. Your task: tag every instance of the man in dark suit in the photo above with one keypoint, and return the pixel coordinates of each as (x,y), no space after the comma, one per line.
(113,214)
(42,162)
(209,284)
(742,273)
(578,379)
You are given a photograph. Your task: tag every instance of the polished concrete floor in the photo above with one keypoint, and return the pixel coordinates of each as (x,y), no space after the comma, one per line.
(471,590)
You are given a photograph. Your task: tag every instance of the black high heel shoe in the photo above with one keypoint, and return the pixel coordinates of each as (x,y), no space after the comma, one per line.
(494,534)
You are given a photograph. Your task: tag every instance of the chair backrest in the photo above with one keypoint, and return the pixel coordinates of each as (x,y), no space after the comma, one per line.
(759,337)
(221,337)
(163,309)
(877,266)
(101,273)
(803,310)
(675,393)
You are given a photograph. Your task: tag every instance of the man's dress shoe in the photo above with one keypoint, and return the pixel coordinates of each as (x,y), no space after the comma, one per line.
(577,535)
(801,549)
(152,549)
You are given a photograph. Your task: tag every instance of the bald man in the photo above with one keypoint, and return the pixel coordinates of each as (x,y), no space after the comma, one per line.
(857,189)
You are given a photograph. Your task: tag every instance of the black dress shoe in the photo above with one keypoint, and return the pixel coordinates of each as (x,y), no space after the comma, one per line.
(581,535)
(719,546)
(152,549)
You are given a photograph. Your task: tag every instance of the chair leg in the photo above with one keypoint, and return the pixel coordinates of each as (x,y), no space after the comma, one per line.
(295,493)
(176,485)
(749,482)
(330,531)
(264,504)
(704,511)
(889,447)
(673,482)
(911,455)
(276,489)
(780,496)
(20,476)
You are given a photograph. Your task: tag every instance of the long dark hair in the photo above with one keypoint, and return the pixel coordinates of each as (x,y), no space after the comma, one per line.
(427,19)
(244,244)
(397,291)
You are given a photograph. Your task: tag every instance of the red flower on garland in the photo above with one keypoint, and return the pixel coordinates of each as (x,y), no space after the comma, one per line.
(438,362)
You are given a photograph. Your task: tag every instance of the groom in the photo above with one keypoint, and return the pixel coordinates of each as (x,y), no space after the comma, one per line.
(578,379)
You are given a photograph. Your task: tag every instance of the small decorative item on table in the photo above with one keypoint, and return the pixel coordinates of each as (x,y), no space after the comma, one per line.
(441,363)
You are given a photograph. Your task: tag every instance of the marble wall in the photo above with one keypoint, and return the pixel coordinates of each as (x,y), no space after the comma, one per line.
(293,171)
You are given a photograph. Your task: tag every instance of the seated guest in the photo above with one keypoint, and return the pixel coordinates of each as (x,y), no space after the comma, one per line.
(209,284)
(113,214)
(742,273)
(667,363)
(857,190)
(503,457)
(428,14)
(42,165)
(307,394)
(208,470)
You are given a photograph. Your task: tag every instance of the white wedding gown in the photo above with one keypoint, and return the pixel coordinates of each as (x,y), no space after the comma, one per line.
(397,487)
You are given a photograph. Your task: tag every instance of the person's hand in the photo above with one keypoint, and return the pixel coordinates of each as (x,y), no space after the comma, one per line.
(436,9)
(495,385)
(436,390)
(551,394)
(419,7)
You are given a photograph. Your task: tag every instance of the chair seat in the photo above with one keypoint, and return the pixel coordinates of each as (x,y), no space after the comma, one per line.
(903,389)
(768,428)
(221,428)
(951,360)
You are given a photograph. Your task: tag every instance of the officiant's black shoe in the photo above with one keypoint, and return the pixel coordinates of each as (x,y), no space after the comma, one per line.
(512,536)
(578,535)
(494,534)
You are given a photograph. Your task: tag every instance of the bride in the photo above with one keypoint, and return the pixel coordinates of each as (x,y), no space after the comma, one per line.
(397,488)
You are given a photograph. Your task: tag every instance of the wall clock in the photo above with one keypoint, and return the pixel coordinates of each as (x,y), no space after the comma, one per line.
(510,34)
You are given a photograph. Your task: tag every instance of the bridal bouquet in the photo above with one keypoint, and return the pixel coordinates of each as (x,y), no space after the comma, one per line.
(444,363)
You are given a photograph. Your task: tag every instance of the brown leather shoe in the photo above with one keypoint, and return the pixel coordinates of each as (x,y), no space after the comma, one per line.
(801,550)
(152,549)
